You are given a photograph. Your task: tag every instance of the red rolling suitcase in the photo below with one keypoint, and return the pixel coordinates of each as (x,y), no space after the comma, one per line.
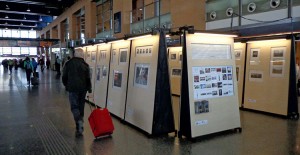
(101,122)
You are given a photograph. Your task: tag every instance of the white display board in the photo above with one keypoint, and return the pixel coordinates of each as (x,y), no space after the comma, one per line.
(175,61)
(213,99)
(141,83)
(117,87)
(92,66)
(101,73)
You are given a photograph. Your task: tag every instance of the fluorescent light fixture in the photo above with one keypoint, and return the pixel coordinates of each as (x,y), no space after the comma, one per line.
(6,16)
(28,10)
(257,41)
(139,37)
(237,42)
(215,34)
(116,41)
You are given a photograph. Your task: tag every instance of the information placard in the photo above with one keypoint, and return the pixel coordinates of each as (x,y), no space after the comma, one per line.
(210,51)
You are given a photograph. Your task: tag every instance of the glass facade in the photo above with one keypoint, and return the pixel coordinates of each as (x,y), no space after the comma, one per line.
(15,33)
(104,16)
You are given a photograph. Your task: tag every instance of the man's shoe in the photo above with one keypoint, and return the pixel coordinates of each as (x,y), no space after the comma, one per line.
(80,126)
(78,134)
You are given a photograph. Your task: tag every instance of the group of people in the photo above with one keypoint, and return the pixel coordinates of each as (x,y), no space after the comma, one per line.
(76,79)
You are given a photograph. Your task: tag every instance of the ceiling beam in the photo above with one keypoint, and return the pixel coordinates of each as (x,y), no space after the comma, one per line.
(23,2)
(23,13)
(19,20)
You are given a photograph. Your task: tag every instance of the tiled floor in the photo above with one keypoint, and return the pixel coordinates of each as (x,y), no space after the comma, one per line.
(37,120)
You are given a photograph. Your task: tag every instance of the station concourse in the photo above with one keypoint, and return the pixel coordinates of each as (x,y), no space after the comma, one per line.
(38,120)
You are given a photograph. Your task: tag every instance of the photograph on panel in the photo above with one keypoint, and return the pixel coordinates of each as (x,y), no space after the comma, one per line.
(123,55)
(141,75)
(117,83)
(143,51)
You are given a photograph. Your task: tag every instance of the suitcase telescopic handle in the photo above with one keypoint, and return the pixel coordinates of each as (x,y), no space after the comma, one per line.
(90,104)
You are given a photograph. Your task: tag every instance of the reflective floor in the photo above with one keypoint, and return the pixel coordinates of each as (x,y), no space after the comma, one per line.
(37,120)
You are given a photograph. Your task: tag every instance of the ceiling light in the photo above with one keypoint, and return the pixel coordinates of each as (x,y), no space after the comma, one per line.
(24,17)
(5,23)
(28,10)
(35,25)
(6,16)
(7,7)
(40,19)
(21,24)
(6,28)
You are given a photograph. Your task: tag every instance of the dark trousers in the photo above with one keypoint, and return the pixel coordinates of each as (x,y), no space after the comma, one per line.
(57,68)
(28,74)
(77,101)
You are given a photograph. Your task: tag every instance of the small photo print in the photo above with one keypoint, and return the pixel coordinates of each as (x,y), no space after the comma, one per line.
(98,74)
(201,107)
(180,56)
(220,92)
(255,54)
(123,55)
(224,77)
(141,75)
(256,76)
(114,55)
(104,71)
(196,78)
(201,71)
(173,56)
(229,69)
(214,85)
(237,54)
(219,70)
(229,76)
(117,79)
(207,70)
(224,70)
(93,57)
(220,84)
(176,72)
(102,54)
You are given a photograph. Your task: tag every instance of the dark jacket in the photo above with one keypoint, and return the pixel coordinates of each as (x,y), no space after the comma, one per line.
(76,76)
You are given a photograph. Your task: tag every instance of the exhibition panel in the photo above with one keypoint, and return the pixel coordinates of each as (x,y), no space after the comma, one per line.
(117,87)
(175,58)
(240,51)
(268,76)
(91,53)
(148,104)
(101,77)
(209,96)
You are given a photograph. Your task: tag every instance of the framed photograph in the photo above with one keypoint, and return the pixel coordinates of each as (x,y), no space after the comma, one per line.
(104,71)
(277,61)
(176,72)
(102,55)
(237,73)
(98,73)
(254,56)
(123,55)
(255,76)
(113,55)
(202,106)
(173,56)
(180,57)
(117,82)
(143,51)
(88,55)
(141,78)
(93,56)
(277,71)
(91,72)
(238,54)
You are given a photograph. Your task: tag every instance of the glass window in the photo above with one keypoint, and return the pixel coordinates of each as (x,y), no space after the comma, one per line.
(104,16)
(24,50)
(24,33)
(32,34)
(1,51)
(15,33)
(32,51)
(1,34)
(16,50)
(7,33)
(7,50)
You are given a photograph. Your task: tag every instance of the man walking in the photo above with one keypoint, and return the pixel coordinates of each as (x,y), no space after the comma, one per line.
(76,79)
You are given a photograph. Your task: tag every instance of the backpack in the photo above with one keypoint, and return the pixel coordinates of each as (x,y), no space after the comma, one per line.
(28,65)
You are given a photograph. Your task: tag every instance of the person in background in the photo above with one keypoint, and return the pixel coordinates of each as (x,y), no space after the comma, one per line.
(34,64)
(28,68)
(76,79)
(16,62)
(48,63)
(42,63)
(57,65)
(10,65)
